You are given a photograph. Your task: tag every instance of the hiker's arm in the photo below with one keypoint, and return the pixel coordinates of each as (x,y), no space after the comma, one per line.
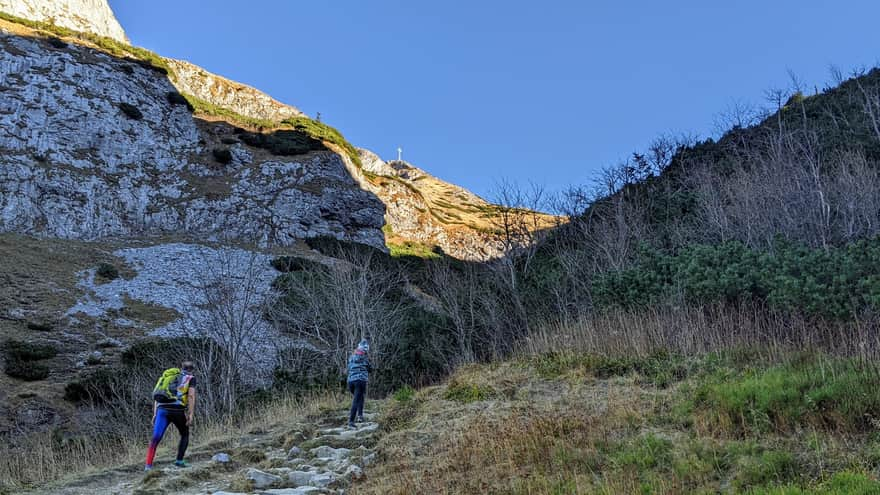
(191,404)
(155,405)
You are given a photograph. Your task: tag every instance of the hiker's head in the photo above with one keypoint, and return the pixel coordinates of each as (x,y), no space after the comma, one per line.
(188,366)
(364,346)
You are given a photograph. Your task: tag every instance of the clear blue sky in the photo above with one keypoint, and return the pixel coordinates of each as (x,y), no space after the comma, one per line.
(535,91)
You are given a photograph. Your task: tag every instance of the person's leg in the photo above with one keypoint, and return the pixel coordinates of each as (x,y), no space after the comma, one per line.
(358,402)
(158,432)
(363,394)
(353,389)
(179,420)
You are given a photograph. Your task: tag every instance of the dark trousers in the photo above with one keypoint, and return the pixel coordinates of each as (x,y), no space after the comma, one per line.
(165,417)
(359,389)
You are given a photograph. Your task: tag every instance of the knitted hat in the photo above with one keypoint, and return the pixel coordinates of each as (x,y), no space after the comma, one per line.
(364,345)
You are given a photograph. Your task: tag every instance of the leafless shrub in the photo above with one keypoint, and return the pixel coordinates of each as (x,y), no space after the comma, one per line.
(699,330)
(351,299)
(229,308)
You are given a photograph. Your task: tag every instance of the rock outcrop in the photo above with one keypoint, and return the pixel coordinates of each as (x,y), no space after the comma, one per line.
(92,146)
(426,210)
(241,99)
(92,16)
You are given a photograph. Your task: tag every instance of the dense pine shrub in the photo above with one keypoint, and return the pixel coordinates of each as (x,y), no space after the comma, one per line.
(23,359)
(837,282)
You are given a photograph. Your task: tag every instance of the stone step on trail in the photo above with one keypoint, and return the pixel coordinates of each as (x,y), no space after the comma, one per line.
(316,466)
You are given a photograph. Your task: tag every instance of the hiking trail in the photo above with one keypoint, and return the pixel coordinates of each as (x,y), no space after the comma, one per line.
(324,459)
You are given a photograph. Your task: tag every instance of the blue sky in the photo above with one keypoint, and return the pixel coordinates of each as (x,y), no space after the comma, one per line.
(478,91)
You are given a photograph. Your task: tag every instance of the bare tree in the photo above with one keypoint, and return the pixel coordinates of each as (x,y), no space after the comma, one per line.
(458,292)
(229,307)
(519,224)
(330,309)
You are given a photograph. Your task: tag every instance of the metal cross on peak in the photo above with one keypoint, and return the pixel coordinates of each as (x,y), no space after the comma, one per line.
(399,154)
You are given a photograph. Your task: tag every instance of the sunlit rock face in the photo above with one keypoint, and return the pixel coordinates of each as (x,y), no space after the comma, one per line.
(240,98)
(91,16)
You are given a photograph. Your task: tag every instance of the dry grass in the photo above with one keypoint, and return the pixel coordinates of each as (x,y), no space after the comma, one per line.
(630,403)
(578,434)
(700,330)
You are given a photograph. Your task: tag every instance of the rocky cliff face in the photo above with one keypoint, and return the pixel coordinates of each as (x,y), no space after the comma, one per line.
(91,146)
(81,167)
(93,16)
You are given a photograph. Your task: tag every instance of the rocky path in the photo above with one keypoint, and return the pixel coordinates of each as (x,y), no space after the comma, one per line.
(324,459)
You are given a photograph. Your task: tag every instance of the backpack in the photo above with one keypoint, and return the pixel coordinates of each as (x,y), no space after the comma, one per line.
(171,388)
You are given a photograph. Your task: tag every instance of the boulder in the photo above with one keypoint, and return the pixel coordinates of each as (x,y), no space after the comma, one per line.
(325,452)
(262,479)
(292,491)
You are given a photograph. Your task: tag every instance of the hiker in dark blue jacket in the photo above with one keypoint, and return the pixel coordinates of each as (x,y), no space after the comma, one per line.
(358,373)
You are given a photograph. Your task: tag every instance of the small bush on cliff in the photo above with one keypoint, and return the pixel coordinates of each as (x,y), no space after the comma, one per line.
(131,111)
(40,326)
(28,351)
(95,388)
(107,271)
(222,155)
(29,372)
(283,142)
(22,359)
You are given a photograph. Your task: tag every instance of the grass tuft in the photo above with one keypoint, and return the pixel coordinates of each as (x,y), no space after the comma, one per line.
(464,392)
(820,392)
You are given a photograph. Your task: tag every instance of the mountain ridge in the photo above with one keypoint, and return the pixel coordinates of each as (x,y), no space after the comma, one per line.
(428,213)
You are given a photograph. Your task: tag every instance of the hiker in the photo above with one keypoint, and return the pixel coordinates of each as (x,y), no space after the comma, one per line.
(174,402)
(358,372)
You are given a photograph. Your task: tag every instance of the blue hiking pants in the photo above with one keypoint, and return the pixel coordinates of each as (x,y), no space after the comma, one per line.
(359,389)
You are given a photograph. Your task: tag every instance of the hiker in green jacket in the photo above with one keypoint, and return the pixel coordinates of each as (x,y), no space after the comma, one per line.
(174,402)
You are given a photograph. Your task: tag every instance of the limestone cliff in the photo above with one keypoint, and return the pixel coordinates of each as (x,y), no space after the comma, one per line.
(94,146)
(93,16)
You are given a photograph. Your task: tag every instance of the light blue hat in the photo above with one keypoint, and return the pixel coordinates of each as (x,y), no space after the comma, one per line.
(364,345)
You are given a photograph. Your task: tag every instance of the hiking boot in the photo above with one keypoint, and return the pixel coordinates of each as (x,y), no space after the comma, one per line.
(351,425)
(360,419)
(182,464)
(148,467)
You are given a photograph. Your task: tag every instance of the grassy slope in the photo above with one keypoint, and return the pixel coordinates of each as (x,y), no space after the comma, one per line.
(583,424)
